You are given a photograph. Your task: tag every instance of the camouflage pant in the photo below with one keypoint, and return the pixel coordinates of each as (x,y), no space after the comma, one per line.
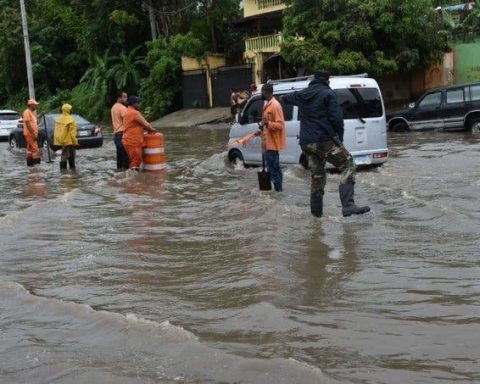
(318,154)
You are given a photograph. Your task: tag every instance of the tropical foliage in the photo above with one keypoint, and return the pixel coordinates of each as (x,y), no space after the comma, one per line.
(374,36)
(84,51)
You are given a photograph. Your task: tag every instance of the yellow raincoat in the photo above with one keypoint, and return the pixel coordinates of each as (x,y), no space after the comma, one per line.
(65,133)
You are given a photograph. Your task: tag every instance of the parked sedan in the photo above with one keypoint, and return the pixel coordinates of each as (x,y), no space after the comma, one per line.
(89,135)
(8,122)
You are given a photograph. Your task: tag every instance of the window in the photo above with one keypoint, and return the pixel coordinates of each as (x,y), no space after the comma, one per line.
(431,100)
(475,92)
(9,116)
(253,111)
(287,109)
(455,96)
(359,102)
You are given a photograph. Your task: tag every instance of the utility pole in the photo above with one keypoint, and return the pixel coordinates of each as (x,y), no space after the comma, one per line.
(28,58)
(153,22)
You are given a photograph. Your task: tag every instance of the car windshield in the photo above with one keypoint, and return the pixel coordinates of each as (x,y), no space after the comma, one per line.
(359,102)
(9,116)
(78,119)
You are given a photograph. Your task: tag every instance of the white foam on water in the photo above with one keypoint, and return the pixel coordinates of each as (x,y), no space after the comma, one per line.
(174,330)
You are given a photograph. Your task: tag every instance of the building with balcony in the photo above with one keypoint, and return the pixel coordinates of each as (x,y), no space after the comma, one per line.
(261,26)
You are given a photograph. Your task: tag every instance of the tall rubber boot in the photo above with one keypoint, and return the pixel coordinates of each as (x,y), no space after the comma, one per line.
(348,204)
(316,205)
(71,162)
(36,161)
(63,165)
(29,162)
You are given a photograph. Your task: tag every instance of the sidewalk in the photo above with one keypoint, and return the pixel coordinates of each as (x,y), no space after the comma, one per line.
(186,118)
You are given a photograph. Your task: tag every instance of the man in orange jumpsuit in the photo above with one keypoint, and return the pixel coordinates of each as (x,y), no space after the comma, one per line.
(30,132)
(134,125)
(274,135)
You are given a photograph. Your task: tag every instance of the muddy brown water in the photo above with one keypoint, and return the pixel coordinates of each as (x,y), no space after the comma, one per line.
(198,277)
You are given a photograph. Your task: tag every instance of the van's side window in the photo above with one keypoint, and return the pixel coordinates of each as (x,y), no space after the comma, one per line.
(287,109)
(253,111)
(455,96)
(475,92)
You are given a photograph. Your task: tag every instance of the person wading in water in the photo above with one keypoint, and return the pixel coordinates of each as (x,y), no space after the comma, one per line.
(321,138)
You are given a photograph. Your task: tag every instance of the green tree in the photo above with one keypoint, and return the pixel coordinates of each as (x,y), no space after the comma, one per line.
(164,62)
(376,36)
(126,70)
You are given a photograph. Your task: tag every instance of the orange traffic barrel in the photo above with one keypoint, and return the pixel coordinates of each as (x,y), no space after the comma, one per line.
(154,154)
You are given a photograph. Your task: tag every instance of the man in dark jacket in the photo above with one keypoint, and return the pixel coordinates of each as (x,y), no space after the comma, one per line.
(321,137)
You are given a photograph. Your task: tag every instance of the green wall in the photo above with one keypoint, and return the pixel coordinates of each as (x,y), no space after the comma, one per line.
(467,62)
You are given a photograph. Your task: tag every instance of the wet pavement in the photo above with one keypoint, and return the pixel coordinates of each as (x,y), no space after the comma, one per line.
(195,276)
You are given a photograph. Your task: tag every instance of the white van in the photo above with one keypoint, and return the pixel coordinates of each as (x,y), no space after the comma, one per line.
(363,112)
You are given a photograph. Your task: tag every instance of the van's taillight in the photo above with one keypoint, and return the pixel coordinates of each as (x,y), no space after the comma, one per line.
(96,131)
(380,155)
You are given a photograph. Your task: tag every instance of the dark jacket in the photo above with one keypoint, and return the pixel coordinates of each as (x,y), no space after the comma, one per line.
(318,111)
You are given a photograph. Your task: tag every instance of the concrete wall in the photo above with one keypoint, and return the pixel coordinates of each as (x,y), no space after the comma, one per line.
(213,61)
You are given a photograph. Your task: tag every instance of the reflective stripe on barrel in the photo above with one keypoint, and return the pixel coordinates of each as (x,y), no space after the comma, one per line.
(154,154)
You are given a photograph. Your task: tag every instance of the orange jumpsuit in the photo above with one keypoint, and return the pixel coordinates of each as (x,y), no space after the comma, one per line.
(33,152)
(134,125)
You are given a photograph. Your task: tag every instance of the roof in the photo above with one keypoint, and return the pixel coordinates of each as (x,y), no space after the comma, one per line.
(335,83)
(8,111)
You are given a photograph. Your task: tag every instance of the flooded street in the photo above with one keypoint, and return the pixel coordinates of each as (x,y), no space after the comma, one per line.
(197,277)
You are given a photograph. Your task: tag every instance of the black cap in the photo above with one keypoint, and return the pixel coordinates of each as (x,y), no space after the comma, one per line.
(133,100)
(321,75)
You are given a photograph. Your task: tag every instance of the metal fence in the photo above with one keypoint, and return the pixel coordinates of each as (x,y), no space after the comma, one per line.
(263,43)
(262,4)
(224,78)
(194,89)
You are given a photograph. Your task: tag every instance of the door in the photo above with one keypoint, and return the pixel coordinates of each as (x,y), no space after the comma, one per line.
(427,113)
(457,104)
(249,119)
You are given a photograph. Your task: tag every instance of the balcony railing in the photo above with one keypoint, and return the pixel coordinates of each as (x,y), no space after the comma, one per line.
(264,43)
(262,4)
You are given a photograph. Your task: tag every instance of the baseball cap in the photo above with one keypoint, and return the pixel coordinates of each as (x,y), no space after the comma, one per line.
(32,102)
(133,100)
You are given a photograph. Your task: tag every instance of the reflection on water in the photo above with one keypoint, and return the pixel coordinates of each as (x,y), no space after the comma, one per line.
(240,285)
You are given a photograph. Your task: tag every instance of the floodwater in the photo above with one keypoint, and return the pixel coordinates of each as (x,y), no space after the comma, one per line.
(197,277)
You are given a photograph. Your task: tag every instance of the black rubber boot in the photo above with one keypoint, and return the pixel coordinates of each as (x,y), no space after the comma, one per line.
(29,162)
(36,161)
(71,162)
(316,205)
(63,165)
(346,197)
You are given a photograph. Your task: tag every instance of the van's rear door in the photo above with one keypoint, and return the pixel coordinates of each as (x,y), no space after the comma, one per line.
(364,119)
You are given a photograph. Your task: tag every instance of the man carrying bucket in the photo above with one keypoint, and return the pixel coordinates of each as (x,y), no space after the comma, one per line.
(133,132)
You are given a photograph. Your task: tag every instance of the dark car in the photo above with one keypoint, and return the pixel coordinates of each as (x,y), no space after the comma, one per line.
(89,135)
(451,108)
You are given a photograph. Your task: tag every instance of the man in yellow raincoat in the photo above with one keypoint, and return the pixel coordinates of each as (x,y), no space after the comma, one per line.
(65,136)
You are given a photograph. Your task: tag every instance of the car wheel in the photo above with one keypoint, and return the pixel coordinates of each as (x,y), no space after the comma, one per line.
(13,142)
(400,127)
(235,157)
(474,125)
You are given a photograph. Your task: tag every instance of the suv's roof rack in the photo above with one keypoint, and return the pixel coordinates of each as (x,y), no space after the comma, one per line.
(309,77)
